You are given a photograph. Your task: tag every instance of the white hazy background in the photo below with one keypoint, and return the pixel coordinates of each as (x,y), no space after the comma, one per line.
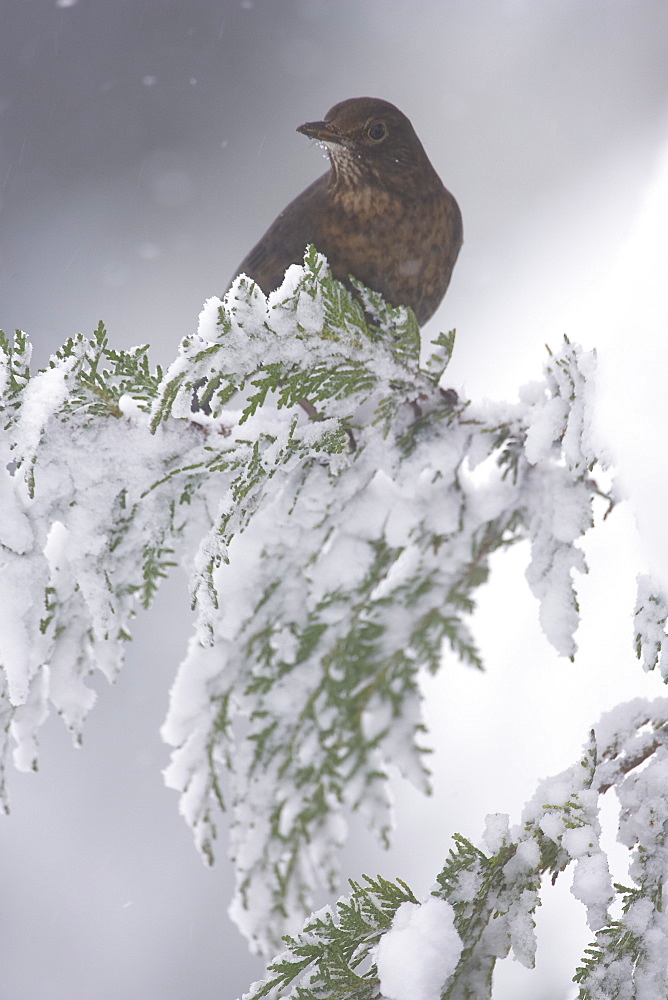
(145,145)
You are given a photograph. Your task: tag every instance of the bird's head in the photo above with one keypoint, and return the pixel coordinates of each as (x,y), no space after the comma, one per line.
(368,139)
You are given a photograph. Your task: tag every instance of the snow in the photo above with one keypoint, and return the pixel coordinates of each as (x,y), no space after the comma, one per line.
(416,957)
(651,613)
(545,429)
(592,885)
(324,582)
(308,311)
(344,562)
(27,718)
(579,840)
(15,528)
(640,916)
(44,394)
(207,323)
(496,832)
(468,886)
(526,857)
(15,634)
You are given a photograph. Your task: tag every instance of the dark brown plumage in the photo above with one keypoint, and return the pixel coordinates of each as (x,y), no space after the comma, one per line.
(381,213)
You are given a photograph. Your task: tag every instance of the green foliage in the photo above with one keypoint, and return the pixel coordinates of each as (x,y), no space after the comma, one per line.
(15,367)
(101,376)
(332,957)
(609,964)
(494,896)
(651,614)
(336,510)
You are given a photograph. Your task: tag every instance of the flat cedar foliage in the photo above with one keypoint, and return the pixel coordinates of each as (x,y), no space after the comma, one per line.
(336,509)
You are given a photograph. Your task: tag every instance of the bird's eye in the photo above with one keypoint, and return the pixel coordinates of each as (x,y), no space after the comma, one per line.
(377,131)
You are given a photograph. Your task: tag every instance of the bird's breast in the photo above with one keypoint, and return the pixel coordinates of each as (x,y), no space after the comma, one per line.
(365,201)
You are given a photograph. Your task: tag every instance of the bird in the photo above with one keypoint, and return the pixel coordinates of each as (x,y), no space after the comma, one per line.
(380,214)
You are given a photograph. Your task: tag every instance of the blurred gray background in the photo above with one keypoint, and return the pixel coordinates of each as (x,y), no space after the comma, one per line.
(145,145)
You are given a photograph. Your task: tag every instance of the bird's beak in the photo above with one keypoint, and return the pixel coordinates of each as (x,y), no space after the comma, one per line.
(322,131)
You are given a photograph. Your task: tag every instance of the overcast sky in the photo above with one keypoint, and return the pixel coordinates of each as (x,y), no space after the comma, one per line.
(145,145)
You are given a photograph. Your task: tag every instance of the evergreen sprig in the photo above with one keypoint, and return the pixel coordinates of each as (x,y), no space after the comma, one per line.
(15,373)
(332,958)
(320,486)
(494,896)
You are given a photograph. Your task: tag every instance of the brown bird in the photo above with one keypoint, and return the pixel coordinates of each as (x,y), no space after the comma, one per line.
(380,214)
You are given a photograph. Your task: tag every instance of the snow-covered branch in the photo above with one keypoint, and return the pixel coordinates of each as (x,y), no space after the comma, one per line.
(335,509)
(381,941)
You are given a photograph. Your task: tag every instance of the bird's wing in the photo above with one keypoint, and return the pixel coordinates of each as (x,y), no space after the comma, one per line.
(285,240)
